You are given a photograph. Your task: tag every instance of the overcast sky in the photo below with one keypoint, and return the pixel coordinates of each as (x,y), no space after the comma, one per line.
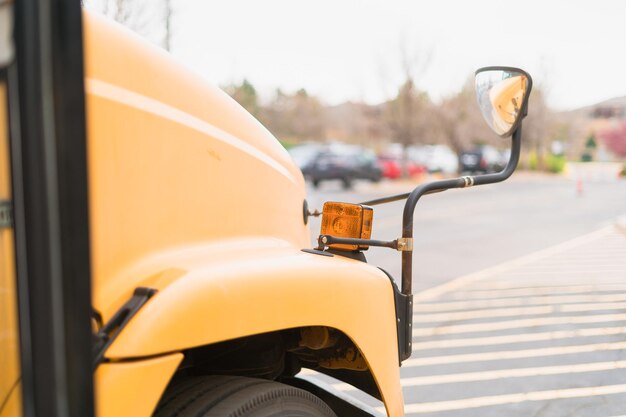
(350,50)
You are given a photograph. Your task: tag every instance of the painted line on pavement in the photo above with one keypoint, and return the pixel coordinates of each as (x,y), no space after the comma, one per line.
(513,354)
(505,284)
(526,273)
(475,402)
(590,264)
(457,306)
(536,291)
(513,324)
(467,315)
(514,373)
(501,373)
(571,308)
(519,338)
(515,312)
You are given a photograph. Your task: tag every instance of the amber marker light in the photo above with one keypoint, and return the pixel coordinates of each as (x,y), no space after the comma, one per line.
(347,221)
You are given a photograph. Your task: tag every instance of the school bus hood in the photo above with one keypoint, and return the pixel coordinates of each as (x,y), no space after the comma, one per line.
(172,161)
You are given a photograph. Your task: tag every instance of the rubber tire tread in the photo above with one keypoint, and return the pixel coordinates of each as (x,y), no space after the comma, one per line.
(233,396)
(184,394)
(177,390)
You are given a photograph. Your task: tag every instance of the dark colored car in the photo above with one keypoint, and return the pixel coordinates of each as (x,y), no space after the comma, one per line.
(303,154)
(342,162)
(483,159)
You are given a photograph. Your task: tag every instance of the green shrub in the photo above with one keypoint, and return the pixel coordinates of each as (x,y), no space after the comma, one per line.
(555,163)
(533,161)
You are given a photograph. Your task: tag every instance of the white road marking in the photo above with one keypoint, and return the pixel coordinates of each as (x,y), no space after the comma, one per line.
(453,306)
(503,284)
(608,263)
(512,324)
(518,338)
(467,315)
(514,398)
(488,293)
(514,373)
(535,291)
(513,354)
(501,373)
(596,273)
(578,265)
(570,308)
(514,312)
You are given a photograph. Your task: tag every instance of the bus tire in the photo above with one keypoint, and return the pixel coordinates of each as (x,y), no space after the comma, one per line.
(234,396)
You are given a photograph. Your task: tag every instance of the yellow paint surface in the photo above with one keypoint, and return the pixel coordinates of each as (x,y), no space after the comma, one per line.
(133,389)
(13,404)
(267,285)
(172,161)
(9,336)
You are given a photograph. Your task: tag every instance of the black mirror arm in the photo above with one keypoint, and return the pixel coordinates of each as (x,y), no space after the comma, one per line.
(438,186)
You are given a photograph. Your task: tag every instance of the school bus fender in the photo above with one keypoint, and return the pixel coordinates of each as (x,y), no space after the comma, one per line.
(230,295)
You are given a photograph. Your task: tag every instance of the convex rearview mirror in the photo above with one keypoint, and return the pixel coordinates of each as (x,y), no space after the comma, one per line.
(502,95)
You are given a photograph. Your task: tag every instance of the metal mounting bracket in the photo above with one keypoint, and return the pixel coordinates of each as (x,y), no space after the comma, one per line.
(405,244)
(6,214)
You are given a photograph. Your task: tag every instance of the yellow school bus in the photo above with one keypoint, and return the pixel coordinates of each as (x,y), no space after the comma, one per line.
(155,246)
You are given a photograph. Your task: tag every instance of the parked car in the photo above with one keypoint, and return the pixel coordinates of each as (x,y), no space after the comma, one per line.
(303,154)
(436,158)
(482,159)
(342,162)
(392,167)
(505,155)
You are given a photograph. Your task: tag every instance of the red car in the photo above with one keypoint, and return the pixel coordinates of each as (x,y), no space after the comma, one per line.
(392,167)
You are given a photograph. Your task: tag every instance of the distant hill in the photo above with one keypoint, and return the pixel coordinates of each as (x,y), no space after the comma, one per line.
(612,108)
(591,120)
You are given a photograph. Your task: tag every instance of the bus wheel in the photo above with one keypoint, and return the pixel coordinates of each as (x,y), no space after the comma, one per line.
(234,396)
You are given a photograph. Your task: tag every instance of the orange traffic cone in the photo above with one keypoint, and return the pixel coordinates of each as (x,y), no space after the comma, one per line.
(579,187)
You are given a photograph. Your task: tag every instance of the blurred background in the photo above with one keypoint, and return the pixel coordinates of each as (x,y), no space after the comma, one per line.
(372,98)
(399,75)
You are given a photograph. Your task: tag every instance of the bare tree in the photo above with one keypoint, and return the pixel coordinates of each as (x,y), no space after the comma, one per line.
(246,95)
(167,43)
(140,16)
(407,110)
(539,127)
(357,122)
(459,121)
(295,117)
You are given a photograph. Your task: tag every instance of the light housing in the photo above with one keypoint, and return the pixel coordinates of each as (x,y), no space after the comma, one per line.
(347,221)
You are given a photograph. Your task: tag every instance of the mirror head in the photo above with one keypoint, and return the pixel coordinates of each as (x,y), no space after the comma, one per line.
(502,94)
